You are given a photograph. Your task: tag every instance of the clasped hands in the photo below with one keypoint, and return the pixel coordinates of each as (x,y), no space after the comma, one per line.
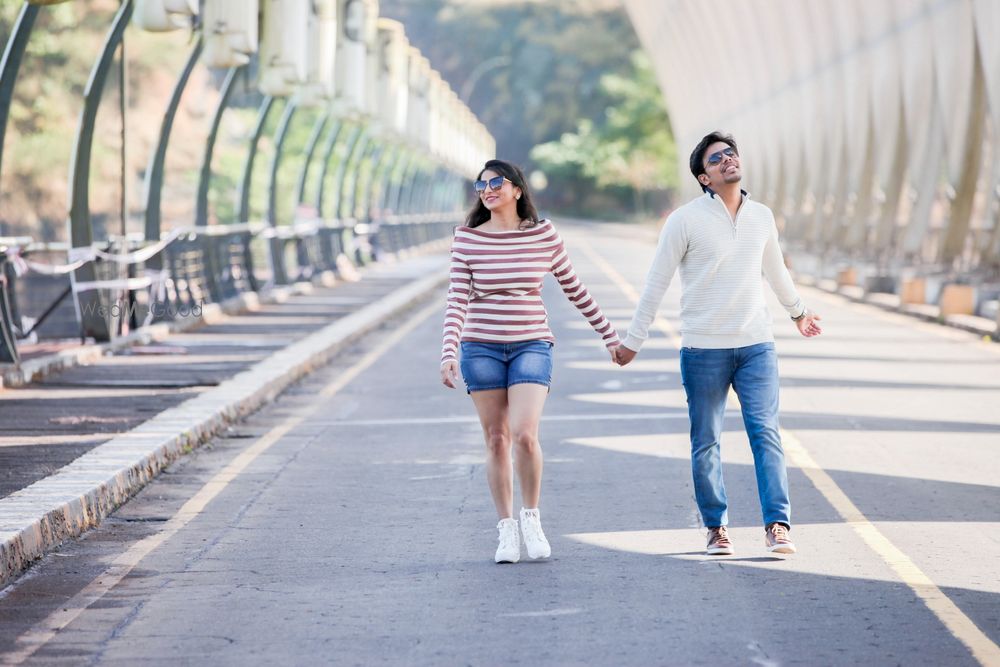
(621,355)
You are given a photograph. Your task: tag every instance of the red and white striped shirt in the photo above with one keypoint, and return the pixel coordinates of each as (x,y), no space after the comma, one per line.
(495,294)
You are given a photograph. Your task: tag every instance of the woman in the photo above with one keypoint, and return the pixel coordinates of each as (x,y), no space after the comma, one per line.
(495,311)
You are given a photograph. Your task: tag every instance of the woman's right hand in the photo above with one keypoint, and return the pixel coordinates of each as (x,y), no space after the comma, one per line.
(449,373)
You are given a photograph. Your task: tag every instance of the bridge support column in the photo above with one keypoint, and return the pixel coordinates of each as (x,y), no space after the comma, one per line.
(960,217)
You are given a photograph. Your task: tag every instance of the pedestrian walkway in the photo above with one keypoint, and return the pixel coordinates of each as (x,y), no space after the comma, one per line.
(79,441)
(350,521)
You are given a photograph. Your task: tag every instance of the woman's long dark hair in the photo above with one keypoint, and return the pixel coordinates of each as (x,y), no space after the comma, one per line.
(525,207)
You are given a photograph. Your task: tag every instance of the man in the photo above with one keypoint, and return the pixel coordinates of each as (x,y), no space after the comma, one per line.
(722,242)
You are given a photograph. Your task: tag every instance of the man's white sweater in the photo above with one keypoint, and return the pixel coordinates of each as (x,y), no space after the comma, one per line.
(721,262)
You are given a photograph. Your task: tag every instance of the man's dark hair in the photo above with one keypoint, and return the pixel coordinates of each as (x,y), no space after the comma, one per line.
(698,154)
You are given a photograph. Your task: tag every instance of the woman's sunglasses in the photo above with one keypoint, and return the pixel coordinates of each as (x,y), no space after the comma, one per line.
(716,157)
(495,184)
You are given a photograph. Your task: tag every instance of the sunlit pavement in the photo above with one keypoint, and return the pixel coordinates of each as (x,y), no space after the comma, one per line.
(350,522)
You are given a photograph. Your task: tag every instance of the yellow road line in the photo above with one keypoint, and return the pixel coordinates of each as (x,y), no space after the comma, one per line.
(43,632)
(961,626)
(983,649)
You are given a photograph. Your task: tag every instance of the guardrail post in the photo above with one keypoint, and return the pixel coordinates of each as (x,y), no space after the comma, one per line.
(96,318)
(390,196)
(347,172)
(328,149)
(13,55)
(310,151)
(243,215)
(154,174)
(367,179)
(10,64)
(205,178)
(277,246)
(413,184)
(8,312)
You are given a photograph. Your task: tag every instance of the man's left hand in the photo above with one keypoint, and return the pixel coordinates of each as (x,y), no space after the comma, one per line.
(623,355)
(809,325)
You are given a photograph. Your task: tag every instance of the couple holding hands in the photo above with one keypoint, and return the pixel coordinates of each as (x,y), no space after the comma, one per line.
(722,242)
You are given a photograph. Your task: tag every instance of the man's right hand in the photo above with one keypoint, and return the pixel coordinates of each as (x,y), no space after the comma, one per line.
(449,373)
(623,355)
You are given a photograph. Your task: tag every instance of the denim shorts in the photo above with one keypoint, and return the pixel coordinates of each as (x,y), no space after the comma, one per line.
(499,365)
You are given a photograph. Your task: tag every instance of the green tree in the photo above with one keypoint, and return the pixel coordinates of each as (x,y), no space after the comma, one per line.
(631,148)
(567,95)
(554,55)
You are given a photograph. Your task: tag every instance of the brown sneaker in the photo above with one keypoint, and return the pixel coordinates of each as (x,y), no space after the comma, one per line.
(776,539)
(718,542)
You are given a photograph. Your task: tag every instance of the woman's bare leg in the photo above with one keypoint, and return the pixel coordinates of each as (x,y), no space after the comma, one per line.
(492,408)
(524,404)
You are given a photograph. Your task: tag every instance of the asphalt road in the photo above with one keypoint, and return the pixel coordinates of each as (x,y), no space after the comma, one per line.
(350,522)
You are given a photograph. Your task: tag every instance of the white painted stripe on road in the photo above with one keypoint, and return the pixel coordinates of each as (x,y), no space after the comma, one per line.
(43,632)
(983,649)
(29,441)
(435,421)
(543,614)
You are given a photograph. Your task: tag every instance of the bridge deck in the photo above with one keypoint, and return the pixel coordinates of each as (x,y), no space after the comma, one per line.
(351,522)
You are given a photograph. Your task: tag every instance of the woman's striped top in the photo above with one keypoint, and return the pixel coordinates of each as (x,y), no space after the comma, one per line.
(495,294)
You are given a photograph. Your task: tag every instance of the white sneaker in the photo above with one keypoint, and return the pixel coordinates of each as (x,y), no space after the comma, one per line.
(534,537)
(509,550)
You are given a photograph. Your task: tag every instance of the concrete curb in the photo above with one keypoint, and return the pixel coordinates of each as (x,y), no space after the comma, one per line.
(79,495)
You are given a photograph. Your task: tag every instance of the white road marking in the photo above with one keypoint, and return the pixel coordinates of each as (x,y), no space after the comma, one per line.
(436,421)
(543,614)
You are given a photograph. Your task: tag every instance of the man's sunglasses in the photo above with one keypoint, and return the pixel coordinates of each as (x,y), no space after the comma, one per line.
(495,184)
(716,157)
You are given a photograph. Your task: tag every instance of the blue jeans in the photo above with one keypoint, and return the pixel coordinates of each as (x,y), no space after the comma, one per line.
(752,371)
